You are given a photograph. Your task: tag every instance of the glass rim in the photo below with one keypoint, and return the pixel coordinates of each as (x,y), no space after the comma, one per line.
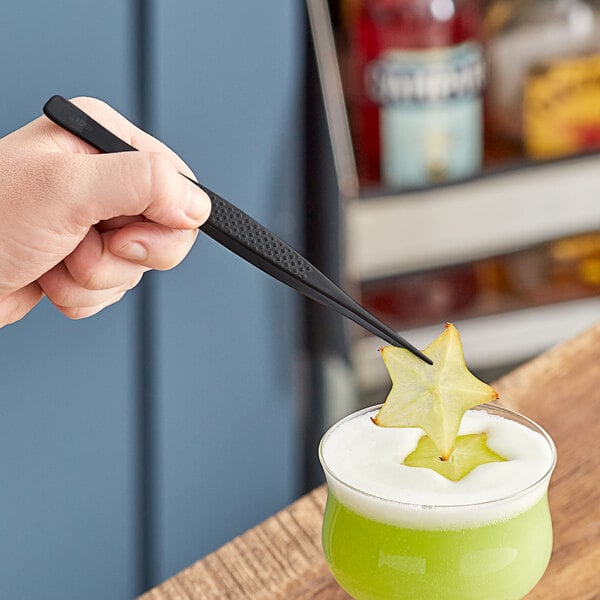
(420,506)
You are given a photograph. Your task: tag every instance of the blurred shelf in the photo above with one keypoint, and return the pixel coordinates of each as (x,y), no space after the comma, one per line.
(501,339)
(467,221)
(394,233)
(387,233)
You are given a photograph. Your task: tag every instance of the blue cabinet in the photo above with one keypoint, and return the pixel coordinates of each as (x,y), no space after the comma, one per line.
(135,442)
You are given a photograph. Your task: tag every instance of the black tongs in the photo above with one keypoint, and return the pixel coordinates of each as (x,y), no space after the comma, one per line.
(235,230)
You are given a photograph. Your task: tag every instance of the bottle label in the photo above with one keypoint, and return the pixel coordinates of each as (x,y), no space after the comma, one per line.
(430,113)
(561,107)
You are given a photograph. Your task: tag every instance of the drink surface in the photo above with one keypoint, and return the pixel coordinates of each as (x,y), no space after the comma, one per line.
(365,470)
(373,560)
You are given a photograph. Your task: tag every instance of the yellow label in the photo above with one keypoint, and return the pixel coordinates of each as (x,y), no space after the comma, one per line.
(561,107)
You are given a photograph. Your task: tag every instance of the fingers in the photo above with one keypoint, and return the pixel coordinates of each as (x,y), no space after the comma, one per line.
(56,138)
(93,267)
(147,217)
(152,245)
(132,183)
(113,258)
(94,223)
(101,187)
(107,264)
(75,301)
(127,131)
(154,176)
(17,304)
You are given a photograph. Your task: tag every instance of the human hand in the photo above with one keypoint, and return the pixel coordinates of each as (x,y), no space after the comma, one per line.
(83,227)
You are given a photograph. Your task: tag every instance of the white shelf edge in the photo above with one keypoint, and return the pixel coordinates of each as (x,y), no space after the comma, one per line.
(490,341)
(470,220)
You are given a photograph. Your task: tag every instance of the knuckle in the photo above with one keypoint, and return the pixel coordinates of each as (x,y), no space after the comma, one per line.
(60,292)
(160,177)
(85,275)
(86,270)
(153,182)
(62,296)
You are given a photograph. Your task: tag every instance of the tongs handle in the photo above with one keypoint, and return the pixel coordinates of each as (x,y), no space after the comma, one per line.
(238,232)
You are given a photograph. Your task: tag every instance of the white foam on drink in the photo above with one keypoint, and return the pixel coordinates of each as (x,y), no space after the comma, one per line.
(369,477)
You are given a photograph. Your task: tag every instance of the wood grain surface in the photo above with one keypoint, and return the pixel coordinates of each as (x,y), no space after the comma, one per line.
(281,559)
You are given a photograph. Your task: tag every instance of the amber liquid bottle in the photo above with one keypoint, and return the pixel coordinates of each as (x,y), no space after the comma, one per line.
(543,92)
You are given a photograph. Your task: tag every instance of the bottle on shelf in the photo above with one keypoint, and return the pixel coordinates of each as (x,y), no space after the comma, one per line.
(414,90)
(560,270)
(422,298)
(543,89)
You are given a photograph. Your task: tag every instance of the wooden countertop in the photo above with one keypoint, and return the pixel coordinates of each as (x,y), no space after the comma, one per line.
(281,559)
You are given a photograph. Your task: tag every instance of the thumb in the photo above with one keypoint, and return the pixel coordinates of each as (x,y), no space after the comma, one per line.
(104,186)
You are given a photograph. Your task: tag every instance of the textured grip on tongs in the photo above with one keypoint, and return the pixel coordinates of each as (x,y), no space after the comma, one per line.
(247,232)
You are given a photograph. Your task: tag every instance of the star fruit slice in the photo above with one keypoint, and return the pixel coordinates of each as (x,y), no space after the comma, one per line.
(470,451)
(432,397)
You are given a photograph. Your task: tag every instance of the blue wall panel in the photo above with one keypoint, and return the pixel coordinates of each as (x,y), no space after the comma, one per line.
(67,389)
(72,47)
(227,96)
(66,457)
(226,93)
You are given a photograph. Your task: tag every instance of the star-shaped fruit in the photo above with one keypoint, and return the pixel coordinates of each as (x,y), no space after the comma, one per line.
(432,397)
(470,451)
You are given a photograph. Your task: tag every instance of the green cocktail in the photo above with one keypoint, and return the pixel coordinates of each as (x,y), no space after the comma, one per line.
(380,548)
(376,560)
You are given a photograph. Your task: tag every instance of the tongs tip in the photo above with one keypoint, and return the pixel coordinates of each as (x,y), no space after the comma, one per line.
(417,352)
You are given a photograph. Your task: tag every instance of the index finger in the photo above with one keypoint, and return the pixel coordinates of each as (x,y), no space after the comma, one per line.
(117,124)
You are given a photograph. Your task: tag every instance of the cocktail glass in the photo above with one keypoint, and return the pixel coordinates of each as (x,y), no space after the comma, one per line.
(382,549)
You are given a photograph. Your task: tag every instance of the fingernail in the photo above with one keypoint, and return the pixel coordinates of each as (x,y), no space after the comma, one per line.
(198,204)
(133,251)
